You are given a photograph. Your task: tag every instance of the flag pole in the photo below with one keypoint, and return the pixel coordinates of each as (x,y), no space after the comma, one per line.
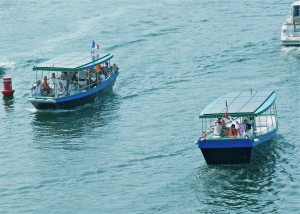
(93,42)
(226,106)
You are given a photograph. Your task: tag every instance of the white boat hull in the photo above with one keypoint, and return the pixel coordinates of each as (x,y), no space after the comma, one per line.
(290,32)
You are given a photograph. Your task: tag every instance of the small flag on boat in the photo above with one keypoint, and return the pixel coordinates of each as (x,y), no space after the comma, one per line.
(95,45)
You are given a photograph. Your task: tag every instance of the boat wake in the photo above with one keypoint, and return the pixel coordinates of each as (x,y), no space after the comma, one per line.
(7,65)
(290,49)
(4,66)
(34,110)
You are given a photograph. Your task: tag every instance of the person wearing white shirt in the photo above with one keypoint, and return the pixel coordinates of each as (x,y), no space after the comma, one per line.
(218,129)
(53,84)
(249,131)
(243,127)
(253,123)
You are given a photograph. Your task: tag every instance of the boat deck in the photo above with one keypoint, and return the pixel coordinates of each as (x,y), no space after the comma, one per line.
(264,124)
(293,38)
(290,21)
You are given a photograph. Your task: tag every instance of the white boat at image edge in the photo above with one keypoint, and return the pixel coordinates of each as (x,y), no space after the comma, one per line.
(290,30)
(250,113)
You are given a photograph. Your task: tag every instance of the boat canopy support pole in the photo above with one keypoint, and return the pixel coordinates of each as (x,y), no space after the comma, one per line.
(275,113)
(267,120)
(272,116)
(259,123)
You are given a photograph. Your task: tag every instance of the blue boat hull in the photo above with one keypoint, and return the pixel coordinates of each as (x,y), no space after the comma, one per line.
(235,151)
(79,99)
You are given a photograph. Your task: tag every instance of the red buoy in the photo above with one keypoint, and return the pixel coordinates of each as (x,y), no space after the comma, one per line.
(7,87)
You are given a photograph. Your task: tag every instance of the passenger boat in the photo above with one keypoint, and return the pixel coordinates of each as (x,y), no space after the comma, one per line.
(77,78)
(290,30)
(250,114)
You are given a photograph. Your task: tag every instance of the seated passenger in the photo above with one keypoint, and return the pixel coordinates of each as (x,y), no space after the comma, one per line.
(73,89)
(37,88)
(62,89)
(63,78)
(60,86)
(46,87)
(98,68)
(233,132)
(101,77)
(114,67)
(224,128)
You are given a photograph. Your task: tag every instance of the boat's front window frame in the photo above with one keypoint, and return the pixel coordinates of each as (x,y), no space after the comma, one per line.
(267,119)
(296,11)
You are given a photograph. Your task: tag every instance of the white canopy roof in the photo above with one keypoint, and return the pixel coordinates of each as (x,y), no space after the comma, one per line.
(296,3)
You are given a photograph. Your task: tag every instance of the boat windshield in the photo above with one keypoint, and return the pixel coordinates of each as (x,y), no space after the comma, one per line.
(296,11)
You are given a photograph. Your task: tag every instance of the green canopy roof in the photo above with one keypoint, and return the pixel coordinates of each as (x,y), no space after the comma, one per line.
(246,103)
(73,61)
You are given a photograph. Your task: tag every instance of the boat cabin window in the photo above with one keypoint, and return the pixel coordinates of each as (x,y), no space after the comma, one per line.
(296,11)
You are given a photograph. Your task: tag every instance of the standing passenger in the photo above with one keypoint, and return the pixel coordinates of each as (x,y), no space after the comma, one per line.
(218,129)
(53,84)
(82,78)
(106,69)
(253,123)
(63,78)
(243,127)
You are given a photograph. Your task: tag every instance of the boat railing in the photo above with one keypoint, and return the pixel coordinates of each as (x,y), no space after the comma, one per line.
(266,123)
(93,83)
(227,138)
(71,88)
(261,125)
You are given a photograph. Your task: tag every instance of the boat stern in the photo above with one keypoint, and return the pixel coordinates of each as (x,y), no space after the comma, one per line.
(226,151)
(290,35)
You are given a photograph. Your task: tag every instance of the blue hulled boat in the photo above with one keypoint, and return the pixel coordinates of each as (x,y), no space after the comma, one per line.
(240,125)
(77,78)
